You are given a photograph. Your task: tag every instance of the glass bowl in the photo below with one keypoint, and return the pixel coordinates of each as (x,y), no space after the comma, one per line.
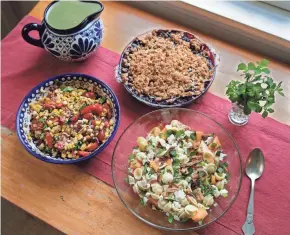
(195,120)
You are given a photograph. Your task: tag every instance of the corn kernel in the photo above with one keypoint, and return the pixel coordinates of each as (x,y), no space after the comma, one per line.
(49,123)
(111,122)
(63,155)
(98,122)
(83,147)
(80,136)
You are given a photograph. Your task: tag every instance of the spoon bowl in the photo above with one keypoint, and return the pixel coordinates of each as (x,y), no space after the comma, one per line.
(255,164)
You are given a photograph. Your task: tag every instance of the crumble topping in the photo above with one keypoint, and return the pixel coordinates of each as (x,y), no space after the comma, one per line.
(166,66)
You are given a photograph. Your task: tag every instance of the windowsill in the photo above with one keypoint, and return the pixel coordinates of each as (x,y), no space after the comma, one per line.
(258,15)
(263,31)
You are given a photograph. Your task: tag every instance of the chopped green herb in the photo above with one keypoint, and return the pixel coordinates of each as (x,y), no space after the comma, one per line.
(193,136)
(170,197)
(170,218)
(42,120)
(67,89)
(218,153)
(83,105)
(127,180)
(45,126)
(151,172)
(131,157)
(142,202)
(56,138)
(173,153)
(168,133)
(207,189)
(67,122)
(78,144)
(193,153)
(179,133)
(184,220)
(200,222)
(160,150)
(220,170)
(190,171)
(102,100)
(42,136)
(213,145)
(227,175)
(176,162)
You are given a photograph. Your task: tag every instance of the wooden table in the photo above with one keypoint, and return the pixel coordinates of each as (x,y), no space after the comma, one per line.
(75,202)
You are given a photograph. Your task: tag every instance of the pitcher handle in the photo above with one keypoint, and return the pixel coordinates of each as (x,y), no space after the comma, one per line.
(27,29)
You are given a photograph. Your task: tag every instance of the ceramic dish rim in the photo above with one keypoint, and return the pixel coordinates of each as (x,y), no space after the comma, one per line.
(70,161)
(216,59)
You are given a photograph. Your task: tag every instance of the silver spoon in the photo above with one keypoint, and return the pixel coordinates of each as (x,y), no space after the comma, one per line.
(254,170)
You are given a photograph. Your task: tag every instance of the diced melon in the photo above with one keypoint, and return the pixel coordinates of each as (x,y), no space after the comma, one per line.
(168,162)
(198,134)
(163,134)
(215,144)
(135,164)
(200,214)
(213,179)
(154,165)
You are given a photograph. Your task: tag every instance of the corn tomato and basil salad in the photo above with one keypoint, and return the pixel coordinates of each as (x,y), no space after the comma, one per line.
(71,120)
(179,171)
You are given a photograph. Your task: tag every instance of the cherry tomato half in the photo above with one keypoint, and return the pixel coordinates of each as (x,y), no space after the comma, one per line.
(92,147)
(88,116)
(83,153)
(36,125)
(49,140)
(101,135)
(94,108)
(75,118)
(89,95)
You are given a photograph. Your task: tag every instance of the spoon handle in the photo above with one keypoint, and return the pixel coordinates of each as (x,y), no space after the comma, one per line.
(248,227)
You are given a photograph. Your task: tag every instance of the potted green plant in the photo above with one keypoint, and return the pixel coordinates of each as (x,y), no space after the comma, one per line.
(256,93)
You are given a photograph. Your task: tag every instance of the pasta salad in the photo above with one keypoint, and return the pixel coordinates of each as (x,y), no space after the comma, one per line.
(178,171)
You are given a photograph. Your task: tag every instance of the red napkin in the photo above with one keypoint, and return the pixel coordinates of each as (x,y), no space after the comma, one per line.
(24,66)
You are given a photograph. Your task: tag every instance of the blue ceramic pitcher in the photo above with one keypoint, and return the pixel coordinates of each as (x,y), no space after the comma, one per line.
(73,44)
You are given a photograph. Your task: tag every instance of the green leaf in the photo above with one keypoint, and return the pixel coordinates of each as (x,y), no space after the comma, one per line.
(264,63)
(131,157)
(102,100)
(281,93)
(279,84)
(256,78)
(42,120)
(251,66)
(193,153)
(173,153)
(264,114)
(257,71)
(253,106)
(142,202)
(169,133)
(83,105)
(67,89)
(247,110)
(170,218)
(266,70)
(193,136)
(179,133)
(127,180)
(242,66)
(270,110)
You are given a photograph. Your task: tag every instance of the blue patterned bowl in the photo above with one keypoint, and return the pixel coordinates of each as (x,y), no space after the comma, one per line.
(23,115)
(74,44)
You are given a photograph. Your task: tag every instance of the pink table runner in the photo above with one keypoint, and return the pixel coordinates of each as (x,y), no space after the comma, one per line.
(24,66)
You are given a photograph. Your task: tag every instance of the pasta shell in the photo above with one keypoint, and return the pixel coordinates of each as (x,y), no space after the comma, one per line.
(136,189)
(190,209)
(131,180)
(208,200)
(138,173)
(161,204)
(184,202)
(167,207)
(157,188)
(143,185)
(211,168)
(219,177)
(192,200)
(167,178)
